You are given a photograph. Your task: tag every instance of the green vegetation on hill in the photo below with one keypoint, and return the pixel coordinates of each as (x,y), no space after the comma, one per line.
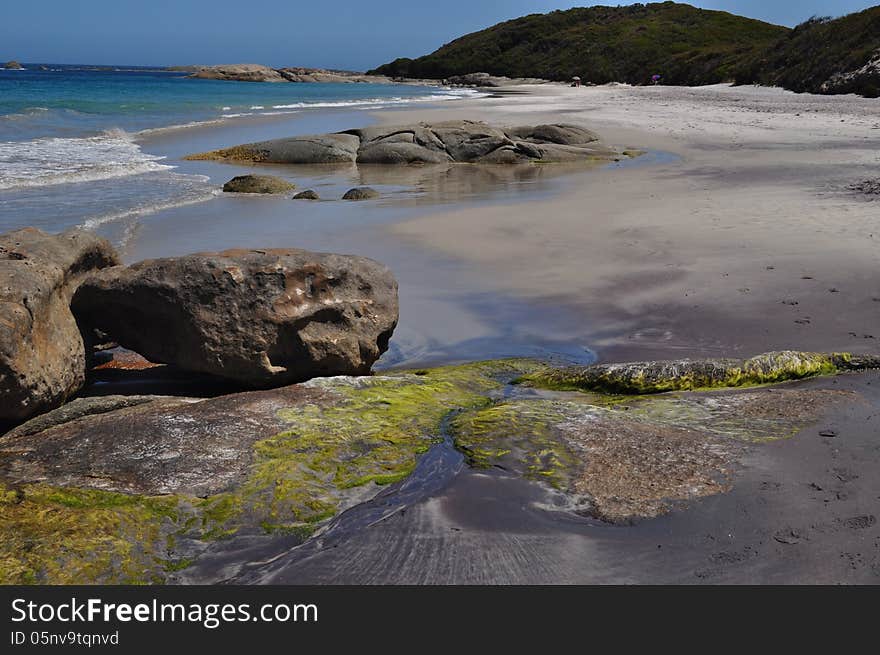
(824,56)
(684,44)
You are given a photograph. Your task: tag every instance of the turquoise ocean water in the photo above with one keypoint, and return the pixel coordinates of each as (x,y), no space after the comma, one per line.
(72,137)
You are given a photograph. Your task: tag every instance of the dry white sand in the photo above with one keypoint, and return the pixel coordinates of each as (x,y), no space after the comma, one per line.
(748,241)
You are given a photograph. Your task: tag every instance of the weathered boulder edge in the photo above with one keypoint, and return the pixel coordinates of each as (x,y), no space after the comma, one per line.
(261,318)
(42,355)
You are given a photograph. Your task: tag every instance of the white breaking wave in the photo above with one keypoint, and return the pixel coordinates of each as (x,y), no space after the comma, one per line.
(49,161)
(377,102)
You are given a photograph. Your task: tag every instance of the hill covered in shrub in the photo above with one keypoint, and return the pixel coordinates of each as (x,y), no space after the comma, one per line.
(684,44)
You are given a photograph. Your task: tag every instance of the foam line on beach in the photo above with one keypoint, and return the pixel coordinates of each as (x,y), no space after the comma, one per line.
(50,161)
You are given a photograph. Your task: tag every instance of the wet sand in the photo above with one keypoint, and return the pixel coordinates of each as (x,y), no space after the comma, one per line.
(749,242)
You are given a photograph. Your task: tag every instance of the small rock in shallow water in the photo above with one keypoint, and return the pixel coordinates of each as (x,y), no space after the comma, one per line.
(257,184)
(308,194)
(361,193)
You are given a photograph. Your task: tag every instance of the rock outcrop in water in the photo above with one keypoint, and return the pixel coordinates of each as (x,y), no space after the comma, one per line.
(278,462)
(260,73)
(422,143)
(239,73)
(258,317)
(258,184)
(42,356)
(13,66)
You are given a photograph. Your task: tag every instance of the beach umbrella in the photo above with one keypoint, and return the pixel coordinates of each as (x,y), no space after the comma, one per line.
(576,78)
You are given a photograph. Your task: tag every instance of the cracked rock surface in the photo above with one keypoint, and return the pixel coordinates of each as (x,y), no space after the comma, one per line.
(459,141)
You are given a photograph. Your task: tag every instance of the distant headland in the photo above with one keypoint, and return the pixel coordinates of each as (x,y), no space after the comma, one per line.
(298,74)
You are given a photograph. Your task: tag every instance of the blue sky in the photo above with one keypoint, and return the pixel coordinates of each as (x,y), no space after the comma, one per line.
(352,34)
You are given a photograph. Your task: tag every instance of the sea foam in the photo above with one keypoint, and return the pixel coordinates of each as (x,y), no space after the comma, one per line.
(54,160)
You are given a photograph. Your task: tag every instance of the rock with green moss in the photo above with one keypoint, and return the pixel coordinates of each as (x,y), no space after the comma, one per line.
(687,374)
(130,494)
(625,458)
(118,492)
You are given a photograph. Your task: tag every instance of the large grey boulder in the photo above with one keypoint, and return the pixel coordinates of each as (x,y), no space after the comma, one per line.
(458,141)
(42,356)
(259,317)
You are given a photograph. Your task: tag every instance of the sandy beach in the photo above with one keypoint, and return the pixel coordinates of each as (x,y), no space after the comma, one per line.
(747,240)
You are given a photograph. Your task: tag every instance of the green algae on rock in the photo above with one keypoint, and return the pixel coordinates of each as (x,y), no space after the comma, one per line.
(690,375)
(611,467)
(633,458)
(170,477)
(53,535)
(139,492)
